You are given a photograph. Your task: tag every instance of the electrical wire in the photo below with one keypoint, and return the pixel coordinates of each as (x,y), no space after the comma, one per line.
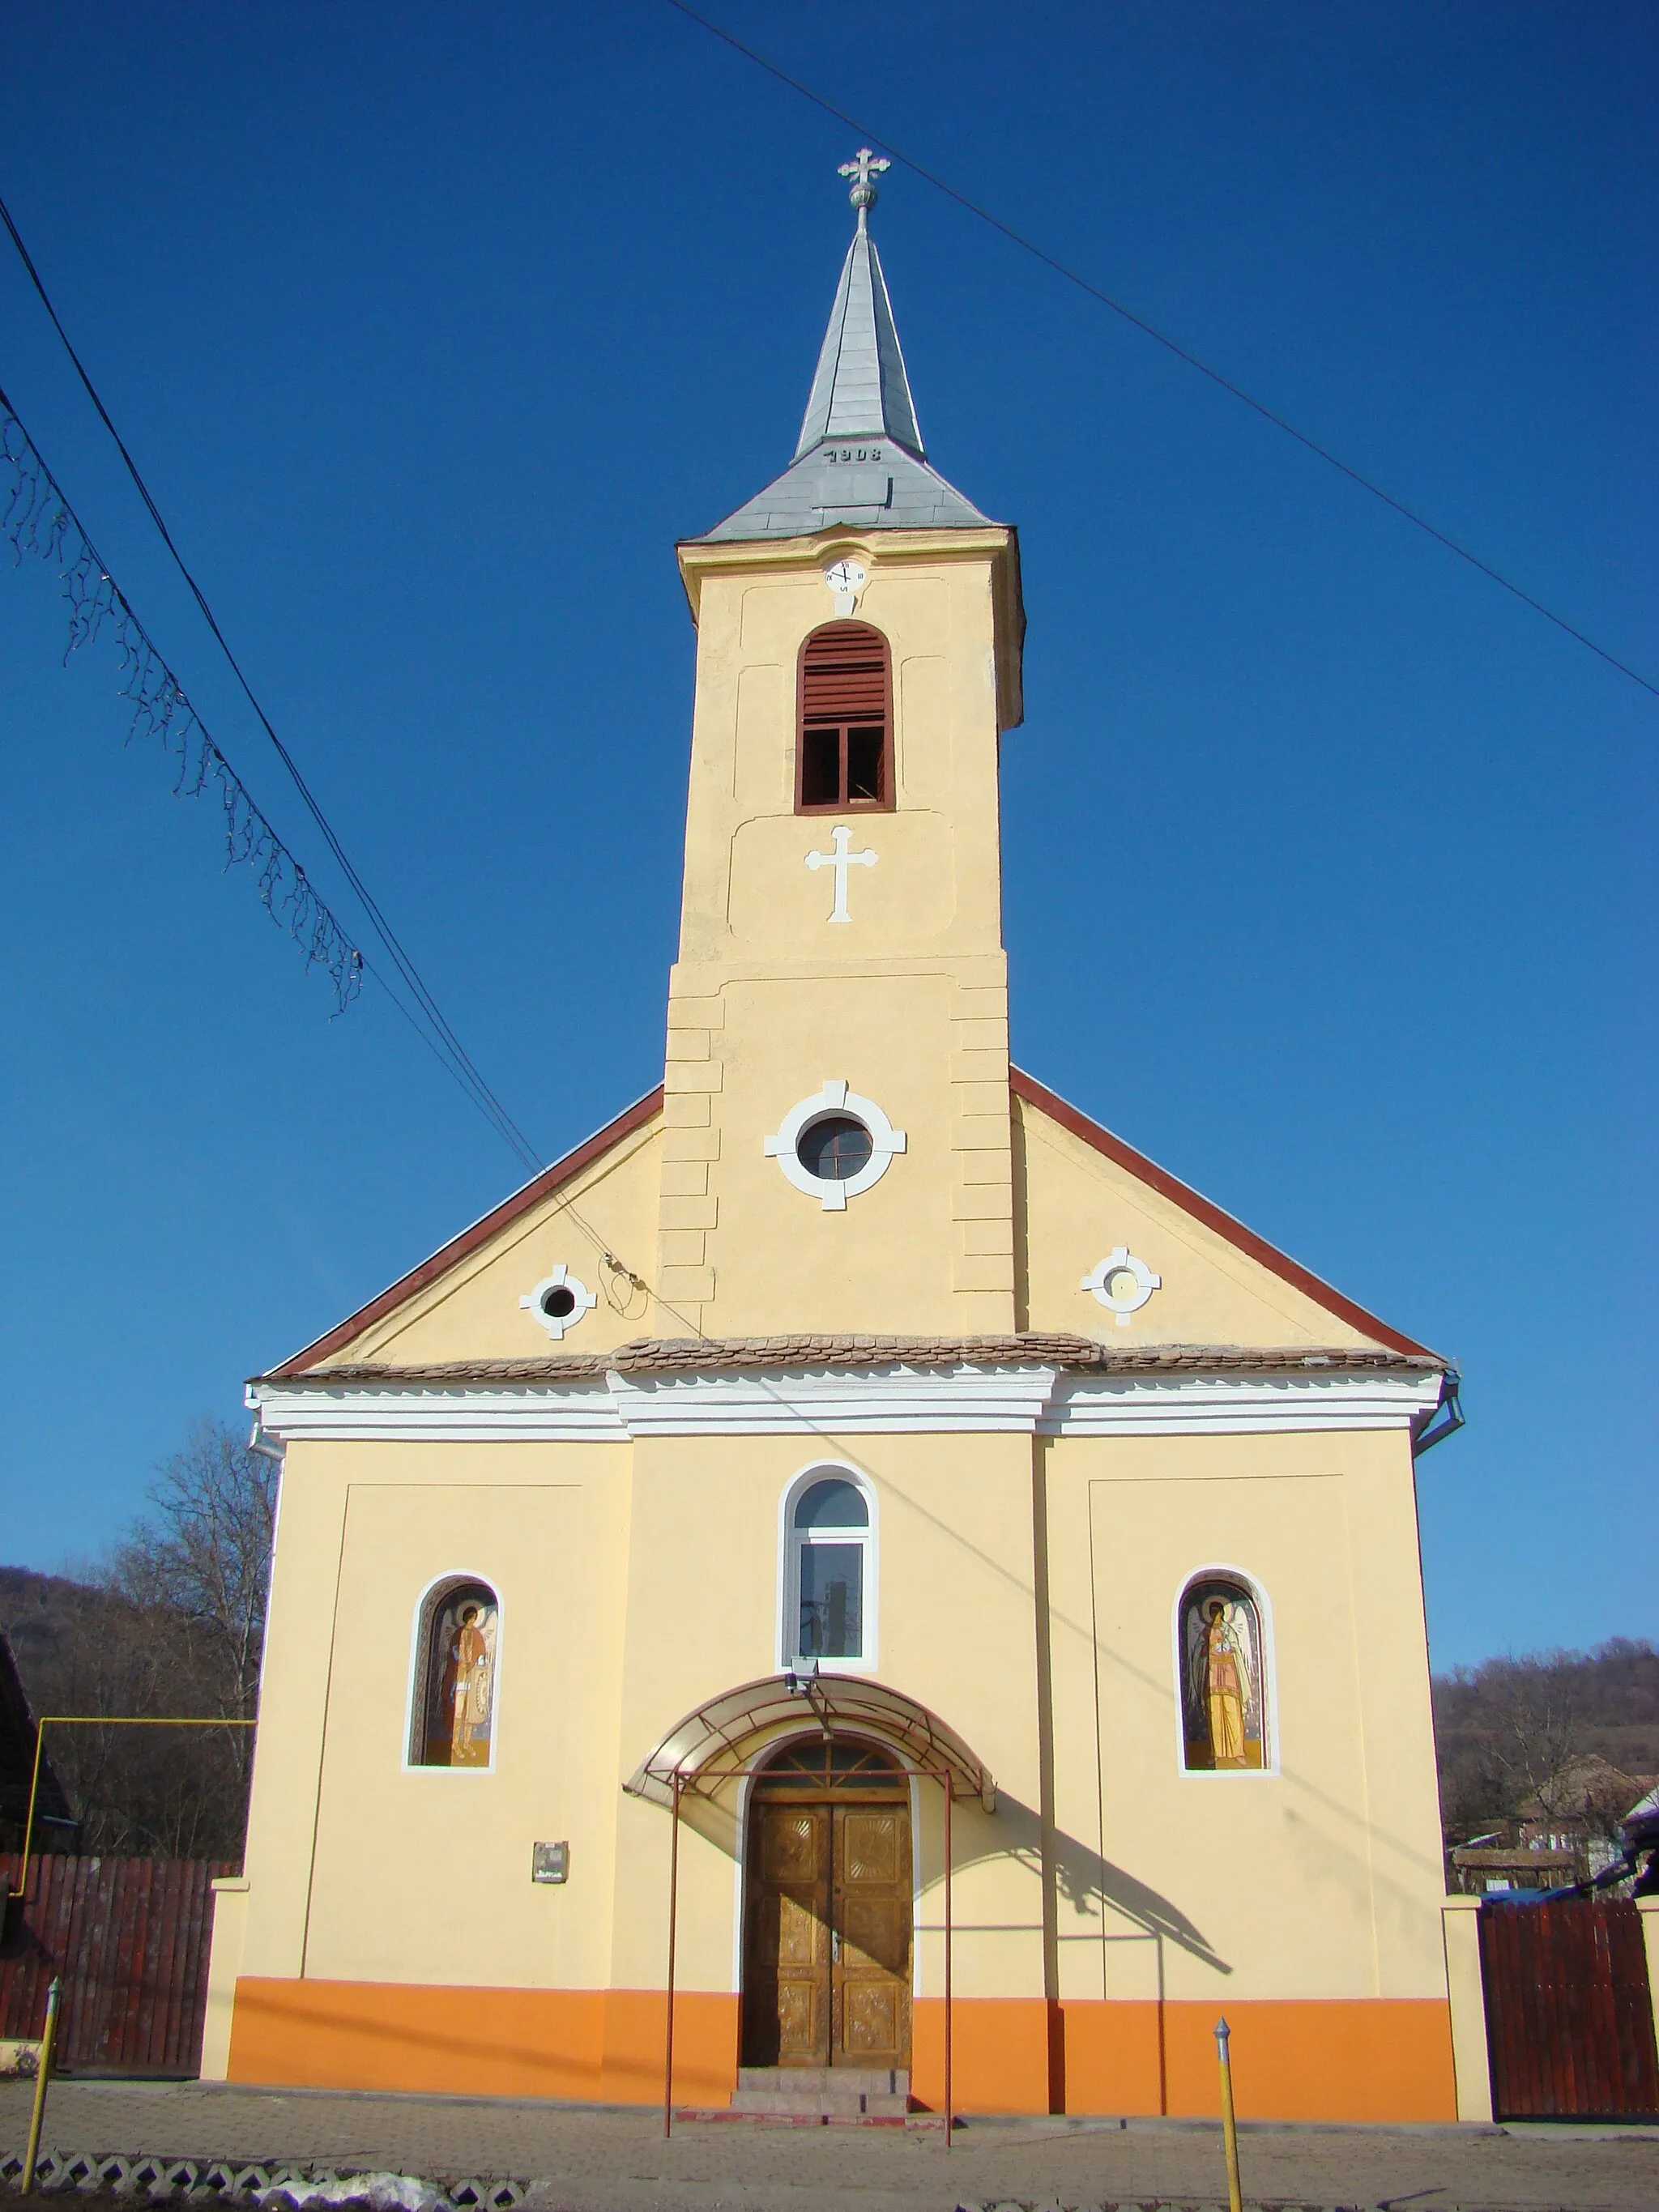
(445,1047)
(869,133)
(464,1067)
(450,1058)
(40,519)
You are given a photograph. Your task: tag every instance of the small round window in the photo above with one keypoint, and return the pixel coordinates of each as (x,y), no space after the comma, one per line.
(559,1302)
(834,1149)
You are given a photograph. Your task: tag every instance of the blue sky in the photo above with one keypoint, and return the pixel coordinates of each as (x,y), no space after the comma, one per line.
(1329,875)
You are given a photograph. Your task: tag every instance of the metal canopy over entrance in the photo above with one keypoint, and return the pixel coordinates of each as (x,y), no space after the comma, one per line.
(718,1741)
(730,1738)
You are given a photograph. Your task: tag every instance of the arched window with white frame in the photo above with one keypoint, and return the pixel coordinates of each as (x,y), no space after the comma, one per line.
(827,1611)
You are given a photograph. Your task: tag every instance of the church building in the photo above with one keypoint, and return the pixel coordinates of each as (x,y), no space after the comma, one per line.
(855,1591)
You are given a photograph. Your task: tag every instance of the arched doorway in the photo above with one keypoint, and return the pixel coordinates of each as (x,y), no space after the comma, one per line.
(827,1909)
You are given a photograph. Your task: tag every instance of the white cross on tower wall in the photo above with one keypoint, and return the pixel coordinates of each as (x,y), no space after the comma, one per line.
(841,859)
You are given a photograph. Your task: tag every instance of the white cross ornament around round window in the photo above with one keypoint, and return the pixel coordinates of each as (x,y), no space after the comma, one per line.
(834,1145)
(559,1301)
(1122,1284)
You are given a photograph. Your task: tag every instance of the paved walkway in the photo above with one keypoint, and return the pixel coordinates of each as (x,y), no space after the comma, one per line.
(603,2159)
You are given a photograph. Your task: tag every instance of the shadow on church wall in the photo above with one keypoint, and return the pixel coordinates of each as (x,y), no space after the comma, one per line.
(1082,1877)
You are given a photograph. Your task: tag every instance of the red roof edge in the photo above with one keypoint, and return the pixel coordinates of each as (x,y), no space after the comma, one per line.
(1170,1187)
(459,1248)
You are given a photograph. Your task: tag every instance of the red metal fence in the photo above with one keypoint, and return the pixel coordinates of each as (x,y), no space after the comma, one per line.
(1569,2019)
(129,1938)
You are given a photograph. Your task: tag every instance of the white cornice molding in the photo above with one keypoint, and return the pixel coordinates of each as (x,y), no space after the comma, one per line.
(433,1412)
(1234,1405)
(871,1401)
(895,1400)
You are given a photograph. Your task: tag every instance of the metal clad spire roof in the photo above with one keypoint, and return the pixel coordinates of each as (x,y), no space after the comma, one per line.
(860,457)
(860,390)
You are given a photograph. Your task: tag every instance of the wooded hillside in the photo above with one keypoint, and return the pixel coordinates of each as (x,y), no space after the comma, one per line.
(1566,1735)
(174,1624)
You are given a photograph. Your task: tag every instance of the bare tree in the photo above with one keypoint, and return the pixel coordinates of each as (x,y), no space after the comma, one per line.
(1563,1737)
(203,1555)
(1537,1739)
(172,1623)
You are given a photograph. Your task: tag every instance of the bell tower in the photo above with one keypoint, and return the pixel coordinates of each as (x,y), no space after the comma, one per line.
(837,1146)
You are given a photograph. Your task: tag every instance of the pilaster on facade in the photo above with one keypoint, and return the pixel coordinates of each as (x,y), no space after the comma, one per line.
(684,1179)
(687,1011)
(687,1210)
(982,1185)
(686,1108)
(685,1076)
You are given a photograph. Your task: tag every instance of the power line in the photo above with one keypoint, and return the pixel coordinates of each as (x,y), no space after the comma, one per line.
(1173,345)
(445,1048)
(463,1066)
(36,517)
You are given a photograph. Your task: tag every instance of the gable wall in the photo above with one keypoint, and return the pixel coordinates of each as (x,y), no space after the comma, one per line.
(1073,1206)
(471,1311)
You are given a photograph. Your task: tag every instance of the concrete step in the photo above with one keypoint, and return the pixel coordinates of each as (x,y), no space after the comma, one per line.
(822,2092)
(880,2080)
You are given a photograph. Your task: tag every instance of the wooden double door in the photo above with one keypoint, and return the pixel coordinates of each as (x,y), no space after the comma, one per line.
(827,1918)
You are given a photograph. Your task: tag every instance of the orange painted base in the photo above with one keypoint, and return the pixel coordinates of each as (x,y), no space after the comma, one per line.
(1358,2058)
(1375,2059)
(999,2055)
(602,2045)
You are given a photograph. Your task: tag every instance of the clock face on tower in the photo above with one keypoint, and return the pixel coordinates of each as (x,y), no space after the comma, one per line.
(846,576)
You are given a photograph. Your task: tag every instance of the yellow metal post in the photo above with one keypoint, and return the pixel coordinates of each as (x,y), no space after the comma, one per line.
(42,2075)
(1229,2124)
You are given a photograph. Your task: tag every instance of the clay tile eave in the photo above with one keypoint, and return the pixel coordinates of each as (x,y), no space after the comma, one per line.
(646,1356)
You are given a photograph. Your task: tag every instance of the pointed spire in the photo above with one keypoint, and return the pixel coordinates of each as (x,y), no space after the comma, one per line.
(860,458)
(860,390)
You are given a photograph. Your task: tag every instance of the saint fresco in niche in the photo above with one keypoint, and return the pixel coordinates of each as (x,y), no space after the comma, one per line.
(1224,1724)
(461,1678)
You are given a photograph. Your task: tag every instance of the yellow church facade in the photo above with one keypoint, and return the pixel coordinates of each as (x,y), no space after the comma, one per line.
(855,1537)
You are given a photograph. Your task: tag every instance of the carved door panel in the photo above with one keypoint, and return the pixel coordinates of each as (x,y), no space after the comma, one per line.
(871,1910)
(787,1944)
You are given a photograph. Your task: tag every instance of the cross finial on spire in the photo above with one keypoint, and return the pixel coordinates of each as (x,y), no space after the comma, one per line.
(863,166)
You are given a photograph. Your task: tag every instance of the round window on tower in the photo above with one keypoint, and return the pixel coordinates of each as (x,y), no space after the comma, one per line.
(834,1145)
(834,1149)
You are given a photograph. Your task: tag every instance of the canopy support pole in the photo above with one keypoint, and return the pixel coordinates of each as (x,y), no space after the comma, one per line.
(950,2087)
(673,1910)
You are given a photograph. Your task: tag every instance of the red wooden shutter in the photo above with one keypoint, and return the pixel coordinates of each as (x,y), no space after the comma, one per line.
(844,675)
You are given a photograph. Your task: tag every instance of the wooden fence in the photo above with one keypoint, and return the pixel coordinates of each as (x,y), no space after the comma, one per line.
(129,1939)
(1569,2016)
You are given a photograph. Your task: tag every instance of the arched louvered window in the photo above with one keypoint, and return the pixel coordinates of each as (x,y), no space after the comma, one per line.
(844,745)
